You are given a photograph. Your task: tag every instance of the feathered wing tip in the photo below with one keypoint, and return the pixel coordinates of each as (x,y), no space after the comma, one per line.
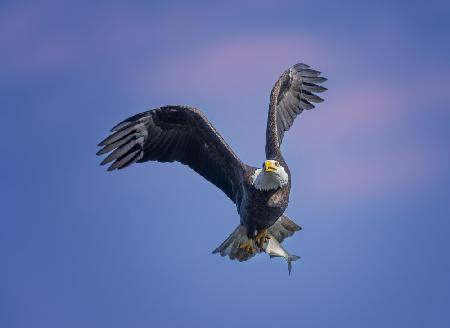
(230,247)
(310,79)
(126,142)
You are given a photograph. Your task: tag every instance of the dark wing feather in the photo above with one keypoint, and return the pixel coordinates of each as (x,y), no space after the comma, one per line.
(175,133)
(291,94)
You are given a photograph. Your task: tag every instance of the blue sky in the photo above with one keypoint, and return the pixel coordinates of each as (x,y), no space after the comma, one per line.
(80,247)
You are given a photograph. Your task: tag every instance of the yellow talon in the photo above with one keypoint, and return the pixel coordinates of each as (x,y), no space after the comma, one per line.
(262,237)
(248,246)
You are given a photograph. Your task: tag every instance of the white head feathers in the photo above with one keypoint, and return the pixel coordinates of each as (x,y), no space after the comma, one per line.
(272,176)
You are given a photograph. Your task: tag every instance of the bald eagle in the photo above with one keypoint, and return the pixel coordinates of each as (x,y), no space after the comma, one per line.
(184,134)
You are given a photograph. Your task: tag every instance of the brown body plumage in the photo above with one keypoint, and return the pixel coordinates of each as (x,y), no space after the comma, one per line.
(259,209)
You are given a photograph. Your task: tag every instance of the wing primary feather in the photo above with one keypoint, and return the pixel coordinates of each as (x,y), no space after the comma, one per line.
(123,160)
(301,66)
(291,113)
(130,120)
(114,145)
(119,152)
(313,87)
(132,160)
(318,79)
(305,104)
(311,97)
(309,73)
(121,126)
(284,123)
(119,135)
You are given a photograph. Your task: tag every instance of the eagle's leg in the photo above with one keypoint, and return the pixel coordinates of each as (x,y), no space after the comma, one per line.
(248,246)
(262,237)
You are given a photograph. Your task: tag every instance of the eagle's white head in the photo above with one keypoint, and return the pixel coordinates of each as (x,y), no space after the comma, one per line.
(271,176)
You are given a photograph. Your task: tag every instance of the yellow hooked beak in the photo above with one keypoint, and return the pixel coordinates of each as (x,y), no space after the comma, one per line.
(269,166)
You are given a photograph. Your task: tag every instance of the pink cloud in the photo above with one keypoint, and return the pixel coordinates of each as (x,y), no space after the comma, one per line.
(33,47)
(365,148)
(241,64)
(28,49)
(385,174)
(362,142)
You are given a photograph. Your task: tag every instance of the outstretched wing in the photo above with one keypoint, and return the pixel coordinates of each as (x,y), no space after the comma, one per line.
(175,133)
(291,94)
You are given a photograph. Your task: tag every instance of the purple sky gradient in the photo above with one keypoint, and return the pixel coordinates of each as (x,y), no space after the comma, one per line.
(83,248)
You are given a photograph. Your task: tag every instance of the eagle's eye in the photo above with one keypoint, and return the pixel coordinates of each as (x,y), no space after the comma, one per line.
(277,164)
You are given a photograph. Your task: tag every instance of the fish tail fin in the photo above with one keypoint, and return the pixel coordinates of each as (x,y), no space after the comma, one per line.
(291,258)
(231,246)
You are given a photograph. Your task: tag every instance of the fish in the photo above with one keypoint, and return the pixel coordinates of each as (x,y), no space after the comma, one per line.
(274,249)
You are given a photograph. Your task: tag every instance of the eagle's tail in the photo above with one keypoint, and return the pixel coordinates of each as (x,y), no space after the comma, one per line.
(283,228)
(230,247)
